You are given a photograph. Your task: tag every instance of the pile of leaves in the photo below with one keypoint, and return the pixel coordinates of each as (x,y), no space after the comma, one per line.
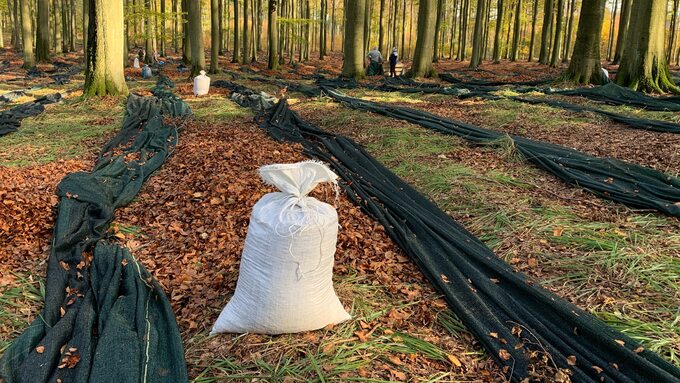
(188,227)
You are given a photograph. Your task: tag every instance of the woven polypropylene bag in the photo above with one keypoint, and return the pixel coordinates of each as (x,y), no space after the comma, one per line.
(285,278)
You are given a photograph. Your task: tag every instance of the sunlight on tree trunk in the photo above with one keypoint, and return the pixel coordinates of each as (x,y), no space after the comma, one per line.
(555,59)
(643,63)
(497,34)
(543,56)
(354,39)
(534,16)
(585,62)
(104,74)
(515,36)
(27,34)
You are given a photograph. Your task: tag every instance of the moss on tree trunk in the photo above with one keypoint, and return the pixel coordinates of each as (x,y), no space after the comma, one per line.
(104,74)
(643,62)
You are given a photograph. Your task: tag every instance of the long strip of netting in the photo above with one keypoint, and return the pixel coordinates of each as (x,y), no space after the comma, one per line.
(106,319)
(513,318)
(10,120)
(631,184)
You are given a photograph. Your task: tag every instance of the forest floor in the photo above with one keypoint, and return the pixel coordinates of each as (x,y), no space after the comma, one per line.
(188,224)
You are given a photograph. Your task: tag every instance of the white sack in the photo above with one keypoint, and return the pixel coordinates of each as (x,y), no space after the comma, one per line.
(285,278)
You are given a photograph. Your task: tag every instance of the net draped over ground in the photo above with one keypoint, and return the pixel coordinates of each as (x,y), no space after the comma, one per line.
(106,319)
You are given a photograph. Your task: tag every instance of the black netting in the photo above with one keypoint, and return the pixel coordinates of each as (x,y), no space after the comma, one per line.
(10,120)
(105,318)
(507,312)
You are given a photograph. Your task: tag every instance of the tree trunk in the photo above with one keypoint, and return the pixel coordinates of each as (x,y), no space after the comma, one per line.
(163,27)
(382,44)
(624,21)
(42,48)
(570,31)
(516,32)
(422,58)
(353,66)
(671,37)
(534,16)
(610,45)
(186,40)
(104,74)
(555,59)
(237,50)
(246,32)
(72,23)
(175,26)
(273,36)
(452,31)
(403,30)
(64,26)
(214,36)
(333,26)
(477,37)
(437,26)
(497,35)
(643,63)
(465,16)
(149,32)
(86,22)
(585,62)
(196,37)
(27,34)
(543,56)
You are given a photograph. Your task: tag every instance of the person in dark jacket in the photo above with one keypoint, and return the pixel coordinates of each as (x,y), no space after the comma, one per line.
(393,62)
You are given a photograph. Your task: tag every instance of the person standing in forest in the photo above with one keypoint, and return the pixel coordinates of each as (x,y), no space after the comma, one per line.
(393,62)
(375,63)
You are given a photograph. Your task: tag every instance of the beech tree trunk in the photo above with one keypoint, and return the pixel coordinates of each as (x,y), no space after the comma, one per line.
(246,32)
(149,32)
(624,21)
(555,59)
(104,73)
(382,44)
(422,57)
(42,48)
(437,26)
(214,36)
(534,16)
(235,58)
(497,35)
(643,63)
(478,36)
(196,37)
(163,29)
(516,33)
(570,30)
(585,62)
(273,35)
(544,56)
(353,65)
(27,34)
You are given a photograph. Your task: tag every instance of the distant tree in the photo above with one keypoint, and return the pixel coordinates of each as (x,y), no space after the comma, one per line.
(42,49)
(497,36)
(382,43)
(273,36)
(584,67)
(437,26)
(27,34)
(354,39)
(245,58)
(104,73)
(544,55)
(214,36)
(237,51)
(515,35)
(643,63)
(149,32)
(555,57)
(478,36)
(422,57)
(196,37)
(534,16)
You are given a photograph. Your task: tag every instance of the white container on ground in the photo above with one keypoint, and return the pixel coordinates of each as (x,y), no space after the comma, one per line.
(285,279)
(135,63)
(201,84)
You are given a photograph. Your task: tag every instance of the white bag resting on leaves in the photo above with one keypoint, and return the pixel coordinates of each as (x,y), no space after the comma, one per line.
(285,278)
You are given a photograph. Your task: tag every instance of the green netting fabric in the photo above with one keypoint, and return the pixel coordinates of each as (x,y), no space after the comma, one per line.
(10,120)
(105,317)
(508,313)
(617,95)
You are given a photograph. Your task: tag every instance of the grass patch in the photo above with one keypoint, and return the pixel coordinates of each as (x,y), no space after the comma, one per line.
(623,267)
(216,109)
(65,130)
(18,299)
